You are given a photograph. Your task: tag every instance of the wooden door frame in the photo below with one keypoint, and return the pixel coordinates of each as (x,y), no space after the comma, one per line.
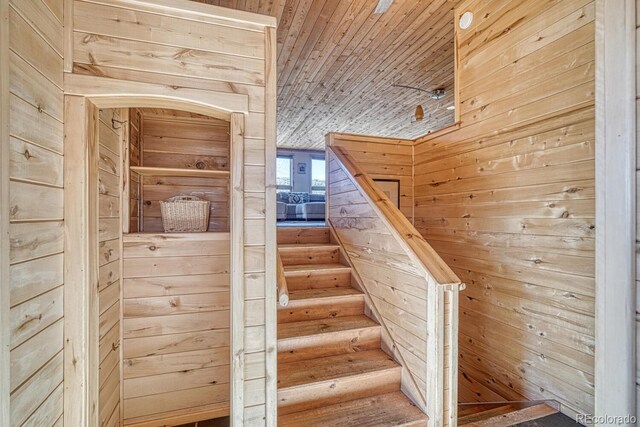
(615,343)
(81,314)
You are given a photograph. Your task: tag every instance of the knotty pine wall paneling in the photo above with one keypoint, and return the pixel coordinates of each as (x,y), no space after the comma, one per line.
(135,190)
(112,137)
(176,326)
(201,55)
(32,92)
(508,201)
(382,158)
(182,140)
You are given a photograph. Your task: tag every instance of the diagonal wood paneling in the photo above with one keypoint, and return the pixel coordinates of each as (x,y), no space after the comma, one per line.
(337,62)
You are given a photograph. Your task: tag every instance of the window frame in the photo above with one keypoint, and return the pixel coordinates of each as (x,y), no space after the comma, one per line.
(285,188)
(316,189)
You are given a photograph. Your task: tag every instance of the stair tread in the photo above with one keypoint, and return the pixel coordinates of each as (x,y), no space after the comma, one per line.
(338,292)
(301,268)
(323,326)
(507,414)
(303,372)
(391,409)
(486,413)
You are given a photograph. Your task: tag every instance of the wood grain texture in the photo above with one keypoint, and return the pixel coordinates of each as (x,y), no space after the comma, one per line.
(219,79)
(112,140)
(170,139)
(31,141)
(402,290)
(172,339)
(381,158)
(508,200)
(337,62)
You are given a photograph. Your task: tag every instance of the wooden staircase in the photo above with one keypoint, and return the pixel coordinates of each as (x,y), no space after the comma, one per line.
(503,414)
(331,370)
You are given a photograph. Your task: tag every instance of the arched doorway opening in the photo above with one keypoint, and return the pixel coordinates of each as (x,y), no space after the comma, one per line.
(86,315)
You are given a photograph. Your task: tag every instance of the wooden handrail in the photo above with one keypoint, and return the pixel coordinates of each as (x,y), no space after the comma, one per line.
(283,290)
(418,248)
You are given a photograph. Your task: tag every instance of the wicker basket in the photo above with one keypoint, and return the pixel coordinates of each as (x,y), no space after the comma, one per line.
(185,214)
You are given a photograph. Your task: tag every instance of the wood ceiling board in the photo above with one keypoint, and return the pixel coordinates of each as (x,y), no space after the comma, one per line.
(337,62)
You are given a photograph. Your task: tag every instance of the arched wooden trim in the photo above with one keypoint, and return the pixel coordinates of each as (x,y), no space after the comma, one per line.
(114,93)
(81,312)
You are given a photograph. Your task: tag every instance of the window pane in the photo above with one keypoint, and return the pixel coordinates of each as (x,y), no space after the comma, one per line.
(283,172)
(318,176)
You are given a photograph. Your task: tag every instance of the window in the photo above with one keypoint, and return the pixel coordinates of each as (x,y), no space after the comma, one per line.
(284,169)
(318,176)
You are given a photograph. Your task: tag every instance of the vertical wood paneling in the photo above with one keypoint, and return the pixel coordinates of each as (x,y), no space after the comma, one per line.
(270,241)
(508,200)
(32,114)
(81,271)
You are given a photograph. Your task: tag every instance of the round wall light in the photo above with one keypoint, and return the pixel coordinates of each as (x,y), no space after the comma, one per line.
(465,20)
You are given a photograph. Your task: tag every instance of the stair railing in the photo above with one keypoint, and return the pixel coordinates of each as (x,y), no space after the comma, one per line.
(283,290)
(432,368)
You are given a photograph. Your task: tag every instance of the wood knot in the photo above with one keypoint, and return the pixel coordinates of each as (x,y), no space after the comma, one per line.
(27,155)
(200,165)
(152,248)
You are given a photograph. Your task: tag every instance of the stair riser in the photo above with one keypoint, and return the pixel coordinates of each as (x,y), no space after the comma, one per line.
(291,235)
(308,256)
(331,344)
(316,395)
(298,311)
(318,280)
(386,410)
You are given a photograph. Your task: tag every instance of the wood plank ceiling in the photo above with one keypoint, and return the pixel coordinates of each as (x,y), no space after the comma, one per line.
(337,62)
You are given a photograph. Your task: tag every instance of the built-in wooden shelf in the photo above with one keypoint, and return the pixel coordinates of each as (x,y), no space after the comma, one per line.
(150,171)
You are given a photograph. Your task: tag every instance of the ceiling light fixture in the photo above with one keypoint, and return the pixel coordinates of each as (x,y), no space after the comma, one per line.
(382,6)
(436,94)
(465,20)
(433,94)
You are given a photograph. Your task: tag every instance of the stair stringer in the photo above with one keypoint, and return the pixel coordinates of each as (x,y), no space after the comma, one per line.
(409,385)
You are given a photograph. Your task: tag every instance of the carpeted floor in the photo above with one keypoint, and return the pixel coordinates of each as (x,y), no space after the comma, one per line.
(555,420)
(301,224)
(218,422)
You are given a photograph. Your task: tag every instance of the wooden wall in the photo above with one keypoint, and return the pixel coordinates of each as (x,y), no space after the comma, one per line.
(401,293)
(507,200)
(176,325)
(176,139)
(203,54)
(393,283)
(382,158)
(112,138)
(135,136)
(34,159)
